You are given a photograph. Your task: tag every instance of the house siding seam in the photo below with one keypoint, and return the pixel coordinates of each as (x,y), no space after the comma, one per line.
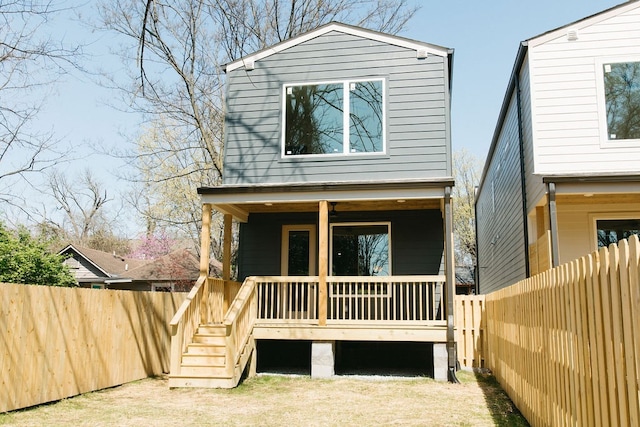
(416,105)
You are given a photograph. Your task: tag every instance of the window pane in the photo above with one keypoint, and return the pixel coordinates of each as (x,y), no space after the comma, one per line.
(360,250)
(314,123)
(622,95)
(365,121)
(298,253)
(613,230)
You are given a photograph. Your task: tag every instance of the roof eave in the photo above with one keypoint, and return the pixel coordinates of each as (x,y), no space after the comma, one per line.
(344,28)
(515,72)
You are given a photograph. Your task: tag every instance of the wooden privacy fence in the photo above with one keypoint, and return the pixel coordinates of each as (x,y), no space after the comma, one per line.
(60,342)
(565,344)
(471,338)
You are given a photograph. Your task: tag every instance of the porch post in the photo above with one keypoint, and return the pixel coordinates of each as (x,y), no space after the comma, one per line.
(226,260)
(323,261)
(450,291)
(205,239)
(553,222)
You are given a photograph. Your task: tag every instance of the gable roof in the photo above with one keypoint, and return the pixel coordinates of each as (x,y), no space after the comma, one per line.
(522,55)
(420,47)
(110,264)
(582,23)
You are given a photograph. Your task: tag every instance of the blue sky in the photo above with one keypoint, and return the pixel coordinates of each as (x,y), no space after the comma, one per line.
(484,34)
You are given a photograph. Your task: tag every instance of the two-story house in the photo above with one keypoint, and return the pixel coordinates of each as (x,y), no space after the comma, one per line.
(337,168)
(562,175)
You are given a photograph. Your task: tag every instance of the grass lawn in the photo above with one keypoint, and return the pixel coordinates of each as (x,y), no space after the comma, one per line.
(269,400)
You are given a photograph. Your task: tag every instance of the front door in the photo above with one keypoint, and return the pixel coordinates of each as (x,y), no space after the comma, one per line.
(298,297)
(298,250)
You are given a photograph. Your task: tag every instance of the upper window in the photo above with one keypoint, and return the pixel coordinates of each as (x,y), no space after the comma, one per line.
(334,118)
(622,99)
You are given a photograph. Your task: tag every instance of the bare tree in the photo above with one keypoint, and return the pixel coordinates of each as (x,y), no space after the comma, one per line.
(178,47)
(83,221)
(29,62)
(466,174)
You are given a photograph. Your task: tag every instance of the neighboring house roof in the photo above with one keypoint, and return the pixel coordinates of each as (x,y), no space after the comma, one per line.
(422,49)
(110,264)
(522,54)
(180,265)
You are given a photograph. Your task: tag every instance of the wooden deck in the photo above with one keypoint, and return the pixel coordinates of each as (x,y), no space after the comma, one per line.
(211,346)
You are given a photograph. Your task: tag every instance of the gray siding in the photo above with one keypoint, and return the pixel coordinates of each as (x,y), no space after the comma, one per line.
(416,240)
(82,269)
(417,113)
(501,244)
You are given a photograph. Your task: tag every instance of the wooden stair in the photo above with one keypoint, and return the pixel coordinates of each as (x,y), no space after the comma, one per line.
(204,363)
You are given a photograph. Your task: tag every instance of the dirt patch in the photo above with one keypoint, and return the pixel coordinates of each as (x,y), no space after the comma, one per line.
(270,400)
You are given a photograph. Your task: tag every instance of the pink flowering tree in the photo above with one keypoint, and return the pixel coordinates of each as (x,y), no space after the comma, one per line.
(152,246)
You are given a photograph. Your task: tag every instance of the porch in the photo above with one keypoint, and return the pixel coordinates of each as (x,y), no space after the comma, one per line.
(368,286)
(212,344)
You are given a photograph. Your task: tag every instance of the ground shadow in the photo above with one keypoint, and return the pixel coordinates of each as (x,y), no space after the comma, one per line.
(503,411)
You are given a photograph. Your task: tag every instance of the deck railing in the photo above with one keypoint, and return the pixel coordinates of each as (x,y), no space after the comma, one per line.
(239,322)
(394,299)
(386,299)
(287,298)
(204,305)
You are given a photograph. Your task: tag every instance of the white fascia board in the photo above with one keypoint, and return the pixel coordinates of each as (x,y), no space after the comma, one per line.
(582,23)
(569,188)
(316,196)
(112,281)
(347,29)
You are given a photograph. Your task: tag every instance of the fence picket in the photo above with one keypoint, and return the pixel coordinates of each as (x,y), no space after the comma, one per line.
(60,342)
(565,344)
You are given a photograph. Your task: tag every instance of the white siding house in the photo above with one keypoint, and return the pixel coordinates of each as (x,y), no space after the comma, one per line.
(572,96)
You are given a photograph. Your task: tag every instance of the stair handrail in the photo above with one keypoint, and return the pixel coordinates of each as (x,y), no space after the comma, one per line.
(178,326)
(239,321)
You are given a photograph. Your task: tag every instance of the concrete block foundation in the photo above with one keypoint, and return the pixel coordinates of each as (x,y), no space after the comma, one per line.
(323,357)
(440,361)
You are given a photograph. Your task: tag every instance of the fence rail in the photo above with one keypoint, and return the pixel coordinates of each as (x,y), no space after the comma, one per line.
(565,344)
(471,326)
(59,342)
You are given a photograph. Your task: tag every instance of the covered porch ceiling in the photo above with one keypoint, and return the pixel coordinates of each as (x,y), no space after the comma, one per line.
(240,201)
(594,189)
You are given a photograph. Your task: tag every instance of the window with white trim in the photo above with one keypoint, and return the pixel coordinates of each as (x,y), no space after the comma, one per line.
(613,230)
(345,117)
(621,81)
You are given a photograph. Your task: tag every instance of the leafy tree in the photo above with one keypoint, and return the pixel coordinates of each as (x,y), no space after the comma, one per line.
(25,260)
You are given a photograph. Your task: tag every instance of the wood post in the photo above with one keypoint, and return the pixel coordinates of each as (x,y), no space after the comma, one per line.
(226,261)
(205,239)
(323,261)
